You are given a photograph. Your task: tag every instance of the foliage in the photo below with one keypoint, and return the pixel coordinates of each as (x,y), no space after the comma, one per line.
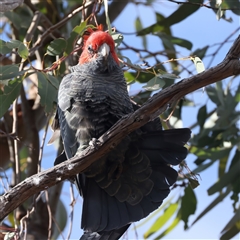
(40,41)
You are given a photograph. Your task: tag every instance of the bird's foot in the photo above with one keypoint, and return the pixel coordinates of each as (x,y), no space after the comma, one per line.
(94,143)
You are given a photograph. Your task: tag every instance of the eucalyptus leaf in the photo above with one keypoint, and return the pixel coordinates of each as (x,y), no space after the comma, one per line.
(139,27)
(158,224)
(47,92)
(56,47)
(154,84)
(10,93)
(22,49)
(213,204)
(4,49)
(118,38)
(163,74)
(202,115)
(71,41)
(200,52)
(10,71)
(174,223)
(188,205)
(224,181)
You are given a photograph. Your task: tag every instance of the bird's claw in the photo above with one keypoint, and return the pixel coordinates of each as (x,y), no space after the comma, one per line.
(94,143)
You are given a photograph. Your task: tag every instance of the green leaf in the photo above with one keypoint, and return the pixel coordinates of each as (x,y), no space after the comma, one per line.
(182,42)
(231,232)
(61,218)
(166,40)
(47,91)
(13,43)
(134,66)
(198,64)
(53,80)
(71,41)
(10,71)
(10,93)
(183,12)
(225,180)
(117,38)
(155,28)
(15,18)
(168,45)
(188,205)
(56,47)
(202,115)
(22,49)
(168,213)
(174,223)
(222,165)
(237,97)
(233,5)
(220,92)
(211,153)
(232,228)
(214,203)
(200,52)
(154,84)
(179,15)
(219,13)
(141,97)
(139,27)
(213,95)
(164,74)
(3,47)
(156,212)
(141,77)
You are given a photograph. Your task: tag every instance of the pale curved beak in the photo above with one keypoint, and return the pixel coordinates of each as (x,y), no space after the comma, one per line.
(104,50)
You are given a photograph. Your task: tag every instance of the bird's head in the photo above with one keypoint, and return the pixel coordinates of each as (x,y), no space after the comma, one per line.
(97,44)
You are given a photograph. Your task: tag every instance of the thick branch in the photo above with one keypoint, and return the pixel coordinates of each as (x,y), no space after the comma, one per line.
(156,105)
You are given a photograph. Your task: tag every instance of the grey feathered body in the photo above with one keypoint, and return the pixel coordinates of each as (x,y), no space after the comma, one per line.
(135,177)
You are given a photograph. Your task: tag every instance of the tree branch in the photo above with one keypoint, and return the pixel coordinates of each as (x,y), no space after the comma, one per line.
(154,106)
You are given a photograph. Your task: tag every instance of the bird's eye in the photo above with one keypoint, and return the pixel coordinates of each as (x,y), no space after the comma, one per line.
(90,48)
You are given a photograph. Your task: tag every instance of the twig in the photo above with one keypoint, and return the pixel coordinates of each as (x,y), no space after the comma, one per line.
(23,223)
(7,118)
(15,143)
(73,201)
(42,144)
(33,26)
(38,43)
(170,115)
(221,45)
(135,231)
(49,216)
(203,5)
(152,108)
(58,227)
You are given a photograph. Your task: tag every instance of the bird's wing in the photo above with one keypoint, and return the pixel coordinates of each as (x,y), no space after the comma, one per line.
(142,186)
